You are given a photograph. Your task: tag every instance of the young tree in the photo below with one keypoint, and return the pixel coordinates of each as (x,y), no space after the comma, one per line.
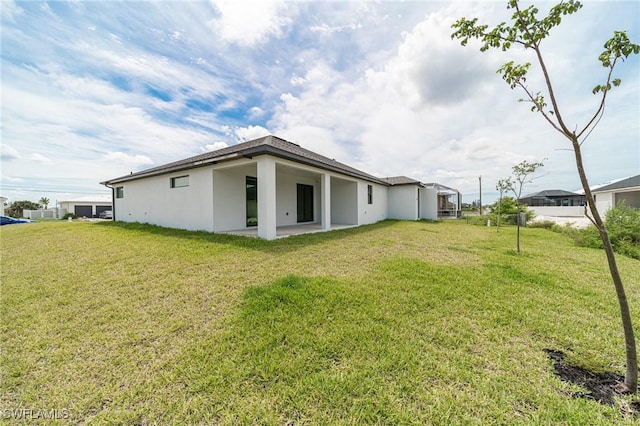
(528,31)
(44,202)
(522,174)
(502,186)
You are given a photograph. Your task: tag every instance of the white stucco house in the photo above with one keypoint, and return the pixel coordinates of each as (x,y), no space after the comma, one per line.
(624,190)
(269,186)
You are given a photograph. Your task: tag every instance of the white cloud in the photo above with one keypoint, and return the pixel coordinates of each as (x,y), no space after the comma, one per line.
(40,158)
(250,132)
(247,22)
(11,179)
(327,29)
(214,146)
(256,112)
(127,159)
(8,153)
(10,10)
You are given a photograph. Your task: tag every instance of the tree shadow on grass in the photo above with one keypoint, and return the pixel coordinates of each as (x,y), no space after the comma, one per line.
(601,387)
(281,245)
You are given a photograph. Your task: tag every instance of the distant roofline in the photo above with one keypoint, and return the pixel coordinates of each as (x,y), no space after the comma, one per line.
(552,193)
(624,183)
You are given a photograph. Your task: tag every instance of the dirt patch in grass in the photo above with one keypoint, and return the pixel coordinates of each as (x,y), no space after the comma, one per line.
(602,387)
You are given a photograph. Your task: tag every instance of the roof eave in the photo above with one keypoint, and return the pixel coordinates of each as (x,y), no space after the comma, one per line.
(188,166)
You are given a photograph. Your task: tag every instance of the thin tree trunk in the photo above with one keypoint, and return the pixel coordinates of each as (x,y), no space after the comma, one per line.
(518,228)
(499,214)
(631,374)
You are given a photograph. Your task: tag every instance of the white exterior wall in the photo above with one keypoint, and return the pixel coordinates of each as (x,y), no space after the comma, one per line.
(344,201)
(558,211)
(215,199)
(604,201)
(428,203)
(378,210)
(152,200)
(287,198)
(403,202)
(607,200)
(229,196)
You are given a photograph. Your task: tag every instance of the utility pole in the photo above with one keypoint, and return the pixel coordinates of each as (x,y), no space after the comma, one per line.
(480,182)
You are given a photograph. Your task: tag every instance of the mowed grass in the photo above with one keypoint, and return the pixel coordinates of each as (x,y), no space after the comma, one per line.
(394,323)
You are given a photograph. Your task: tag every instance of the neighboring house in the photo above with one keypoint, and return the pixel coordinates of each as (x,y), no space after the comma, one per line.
(410,199)
(264,186)
(553,197)
(87,206)
(625,190)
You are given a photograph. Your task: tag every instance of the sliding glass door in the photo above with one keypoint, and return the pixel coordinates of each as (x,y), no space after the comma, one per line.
(252,201)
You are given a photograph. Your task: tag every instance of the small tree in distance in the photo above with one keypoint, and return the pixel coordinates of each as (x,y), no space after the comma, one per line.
(528,32)
(44,202)
(502,186)
(522,174)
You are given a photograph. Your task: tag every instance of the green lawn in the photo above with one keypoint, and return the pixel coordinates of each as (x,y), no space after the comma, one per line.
(394,323)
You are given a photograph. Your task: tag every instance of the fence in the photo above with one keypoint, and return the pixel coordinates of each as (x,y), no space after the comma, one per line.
(42,214)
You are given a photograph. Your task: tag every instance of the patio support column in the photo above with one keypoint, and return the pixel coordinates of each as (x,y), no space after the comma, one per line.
(266,197)
(325,201)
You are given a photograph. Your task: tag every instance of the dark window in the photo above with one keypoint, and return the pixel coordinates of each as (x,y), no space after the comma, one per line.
(305,203)
(180,181)
(120,192)
(369,194)
(252,201)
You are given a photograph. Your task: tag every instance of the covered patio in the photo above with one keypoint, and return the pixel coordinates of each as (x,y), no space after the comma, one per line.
(289,230)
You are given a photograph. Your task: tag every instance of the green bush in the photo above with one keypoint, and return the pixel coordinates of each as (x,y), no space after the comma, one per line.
(508,211)
(68,215)
(623,225)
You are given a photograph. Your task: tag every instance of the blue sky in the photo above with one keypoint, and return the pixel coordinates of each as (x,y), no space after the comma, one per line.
(94,90)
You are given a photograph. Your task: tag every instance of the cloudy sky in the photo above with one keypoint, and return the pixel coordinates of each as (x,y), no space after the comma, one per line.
(94,90)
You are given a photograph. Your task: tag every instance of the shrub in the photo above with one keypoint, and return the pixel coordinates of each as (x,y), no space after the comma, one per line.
(623,225)
(68,215)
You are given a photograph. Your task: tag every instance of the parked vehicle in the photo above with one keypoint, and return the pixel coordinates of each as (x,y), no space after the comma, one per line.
(107,214)
(8,220)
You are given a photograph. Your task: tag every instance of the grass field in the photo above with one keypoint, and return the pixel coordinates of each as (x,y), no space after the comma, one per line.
(394,323)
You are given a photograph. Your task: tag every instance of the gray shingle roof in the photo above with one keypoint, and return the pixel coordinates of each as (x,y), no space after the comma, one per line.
(621,184)
(401,180)
(266,145)
(551,193)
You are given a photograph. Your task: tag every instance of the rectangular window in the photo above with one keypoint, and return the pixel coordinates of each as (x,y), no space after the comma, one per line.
(180,181)
(369,194)
(119,191)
